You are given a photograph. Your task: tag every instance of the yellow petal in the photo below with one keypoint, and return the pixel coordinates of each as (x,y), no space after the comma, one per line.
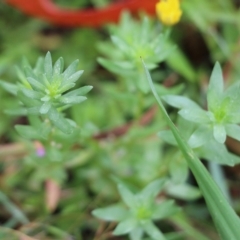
(169,11)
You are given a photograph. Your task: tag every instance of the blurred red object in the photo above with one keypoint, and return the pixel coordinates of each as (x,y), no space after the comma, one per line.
(47,10)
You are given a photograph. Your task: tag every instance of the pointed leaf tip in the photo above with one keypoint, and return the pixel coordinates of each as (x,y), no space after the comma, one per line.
(48,65)
(215,87)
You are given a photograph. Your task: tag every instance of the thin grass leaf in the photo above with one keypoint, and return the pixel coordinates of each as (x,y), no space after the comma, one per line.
(13,209)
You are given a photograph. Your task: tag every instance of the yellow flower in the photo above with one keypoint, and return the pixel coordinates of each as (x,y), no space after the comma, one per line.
(169,11)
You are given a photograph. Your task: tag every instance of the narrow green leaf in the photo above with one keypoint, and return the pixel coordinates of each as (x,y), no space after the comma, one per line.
(74,77)
(31,93)
(233,158)
(180,63)
(44,130)
(46,98)
(71,69)
(25,100)
(226,220)
(11,88)
(16,112)
(232,97)
(152,189)
(183,191)
(122,45)
(165,209)
(45,81)
(233,130)
(215,87)
(58,66)
(218,175)
(114,67)
(79,92)
(35,121)
(125,226)
(185,224)
(45,107)
(21,75)
(166,91)
(127,196)
(216,80)
(153,231)
(66,87)
(111,213)
(72,100)
(219,133)
(27,132)
(180,101)
(34,110)
(141,83)
(194,115)
(136,234)
(59,121)
(48,66)
(234,116)
(178,168)
(13,209)
(28,73)
(39,67)
(36,85)
(217,152)
(200,136)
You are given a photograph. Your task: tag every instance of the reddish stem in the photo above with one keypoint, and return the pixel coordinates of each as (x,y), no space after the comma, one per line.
(47,10)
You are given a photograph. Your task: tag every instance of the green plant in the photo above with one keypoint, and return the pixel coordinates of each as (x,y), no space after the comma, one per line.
(44,92)
(46,86)
(222,116)
(143,209)
(126,47)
